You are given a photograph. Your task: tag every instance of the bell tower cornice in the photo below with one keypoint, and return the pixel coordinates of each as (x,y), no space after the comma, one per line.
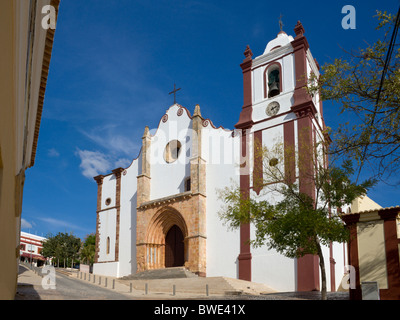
(245,118)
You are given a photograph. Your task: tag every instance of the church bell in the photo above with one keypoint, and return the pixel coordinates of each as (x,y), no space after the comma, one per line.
(273,83)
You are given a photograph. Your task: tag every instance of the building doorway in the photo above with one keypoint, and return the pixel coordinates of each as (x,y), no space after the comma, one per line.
(174,247)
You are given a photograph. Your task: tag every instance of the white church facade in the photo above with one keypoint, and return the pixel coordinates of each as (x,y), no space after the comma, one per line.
(162,210)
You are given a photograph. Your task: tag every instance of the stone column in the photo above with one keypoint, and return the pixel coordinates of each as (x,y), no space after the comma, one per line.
(392,253)
(351,223)
(143,182)
(196,240)
(143,195)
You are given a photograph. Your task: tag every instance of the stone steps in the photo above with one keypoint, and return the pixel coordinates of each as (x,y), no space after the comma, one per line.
(248,287)
(166,273)
(197,285)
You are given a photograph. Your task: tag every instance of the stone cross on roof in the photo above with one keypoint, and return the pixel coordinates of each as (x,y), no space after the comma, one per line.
(174,92)
(280,22)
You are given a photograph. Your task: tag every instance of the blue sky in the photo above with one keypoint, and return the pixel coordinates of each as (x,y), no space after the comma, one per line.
(114,63)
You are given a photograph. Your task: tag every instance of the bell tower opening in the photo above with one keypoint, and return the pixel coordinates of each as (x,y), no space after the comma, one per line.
(273,81)
(174,247)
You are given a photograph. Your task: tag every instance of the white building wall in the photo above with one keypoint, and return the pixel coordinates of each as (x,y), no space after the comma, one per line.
(221,152)
(107,229)
(272,268)
(106,269)
(127,233)
(170,177)
(339,256)
(268,266)
(288,73)
(33,243)
(258,88)
(108,191)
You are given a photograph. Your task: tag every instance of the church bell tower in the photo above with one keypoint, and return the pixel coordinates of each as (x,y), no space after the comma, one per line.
(276,104)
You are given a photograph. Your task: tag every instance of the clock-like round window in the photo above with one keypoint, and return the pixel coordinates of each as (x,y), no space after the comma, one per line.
(172,151)
(272,108)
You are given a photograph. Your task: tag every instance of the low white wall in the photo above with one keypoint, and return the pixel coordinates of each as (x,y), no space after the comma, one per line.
(84,268)
(273,269)
(106,269)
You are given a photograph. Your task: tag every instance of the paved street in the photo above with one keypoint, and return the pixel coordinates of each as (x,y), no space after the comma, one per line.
(73,288)
(67,288)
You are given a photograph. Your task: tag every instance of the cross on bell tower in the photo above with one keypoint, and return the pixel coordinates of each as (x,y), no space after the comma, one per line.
(280,22)
(174,92)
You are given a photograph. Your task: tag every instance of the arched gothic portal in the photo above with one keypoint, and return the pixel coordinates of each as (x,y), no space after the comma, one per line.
(172,232)
(165,240)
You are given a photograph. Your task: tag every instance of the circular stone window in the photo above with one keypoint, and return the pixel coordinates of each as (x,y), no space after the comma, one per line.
(108,201)
(172,150)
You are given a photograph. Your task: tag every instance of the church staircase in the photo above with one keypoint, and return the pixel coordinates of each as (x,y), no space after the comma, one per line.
(162,281)
(165,273)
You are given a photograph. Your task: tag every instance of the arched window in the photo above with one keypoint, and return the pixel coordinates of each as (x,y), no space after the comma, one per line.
(187,184)
(108,245)
(273,80)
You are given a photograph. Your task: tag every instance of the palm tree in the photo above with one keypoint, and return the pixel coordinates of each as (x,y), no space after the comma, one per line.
(88,249)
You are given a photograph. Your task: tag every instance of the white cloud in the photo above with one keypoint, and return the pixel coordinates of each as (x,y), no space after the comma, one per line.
(107,138)
(123,163)
(62,224)
(93,163)
(25,224)
(53,153)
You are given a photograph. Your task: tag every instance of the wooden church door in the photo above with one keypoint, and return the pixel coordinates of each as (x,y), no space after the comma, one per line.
(174,248)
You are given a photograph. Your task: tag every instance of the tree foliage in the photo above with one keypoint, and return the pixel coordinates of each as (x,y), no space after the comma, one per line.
(289,218)
(372,101)
(88,249)
(61,248)
(290,221)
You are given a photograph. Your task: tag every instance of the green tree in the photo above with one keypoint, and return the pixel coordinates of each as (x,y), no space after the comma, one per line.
(287,220)
(49,246)
(366,86)
(88,249)
(62,247)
